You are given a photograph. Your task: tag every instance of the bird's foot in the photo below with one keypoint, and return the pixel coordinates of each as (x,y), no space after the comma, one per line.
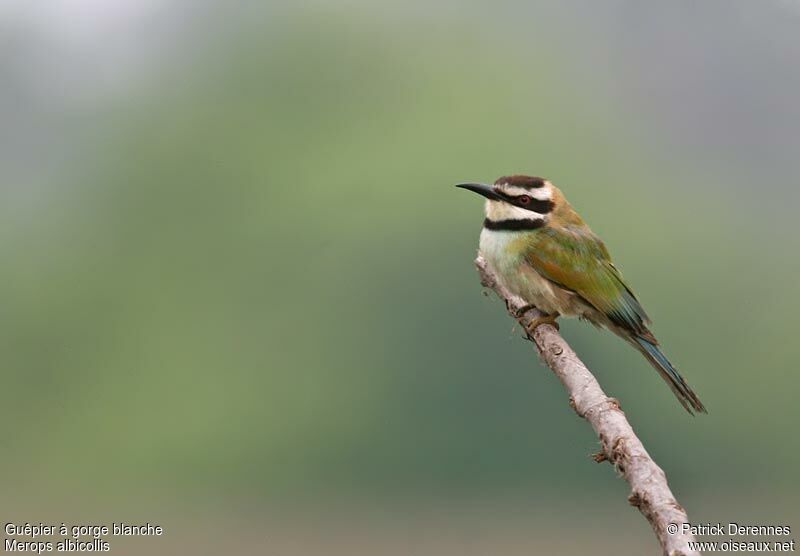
(517,313)
(543,319)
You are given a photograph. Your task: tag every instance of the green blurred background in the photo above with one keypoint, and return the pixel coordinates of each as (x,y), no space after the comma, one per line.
(237,289)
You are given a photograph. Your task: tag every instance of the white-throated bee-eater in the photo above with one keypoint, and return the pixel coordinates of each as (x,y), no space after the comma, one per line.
(542,250)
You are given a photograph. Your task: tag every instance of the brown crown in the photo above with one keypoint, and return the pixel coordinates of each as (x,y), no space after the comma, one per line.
(528,182)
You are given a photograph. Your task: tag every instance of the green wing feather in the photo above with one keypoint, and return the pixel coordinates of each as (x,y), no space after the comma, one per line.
(577,260)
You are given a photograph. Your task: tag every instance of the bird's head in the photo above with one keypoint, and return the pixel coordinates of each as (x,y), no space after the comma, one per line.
(516,202)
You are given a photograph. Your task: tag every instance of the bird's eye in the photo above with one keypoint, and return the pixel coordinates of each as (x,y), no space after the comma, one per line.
(524,199)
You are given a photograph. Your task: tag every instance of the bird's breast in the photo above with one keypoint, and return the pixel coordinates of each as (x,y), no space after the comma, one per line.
(506,254)
(502,249)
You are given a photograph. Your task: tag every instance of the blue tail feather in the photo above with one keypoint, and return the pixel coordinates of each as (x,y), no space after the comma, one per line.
(685,395)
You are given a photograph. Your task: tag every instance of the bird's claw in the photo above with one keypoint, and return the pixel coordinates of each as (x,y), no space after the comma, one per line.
(518,313)
(542,319)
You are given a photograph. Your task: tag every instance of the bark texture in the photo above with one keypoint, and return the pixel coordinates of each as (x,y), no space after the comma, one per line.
(650,492)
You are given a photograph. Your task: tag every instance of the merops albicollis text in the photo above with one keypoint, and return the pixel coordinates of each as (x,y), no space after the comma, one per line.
(543,251)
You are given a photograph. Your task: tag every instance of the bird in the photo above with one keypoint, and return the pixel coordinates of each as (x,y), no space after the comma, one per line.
(542,250)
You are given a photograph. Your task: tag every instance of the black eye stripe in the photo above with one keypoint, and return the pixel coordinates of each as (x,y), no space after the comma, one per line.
(542,207)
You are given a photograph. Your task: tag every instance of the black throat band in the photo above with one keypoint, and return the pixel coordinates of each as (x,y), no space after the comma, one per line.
(513,225)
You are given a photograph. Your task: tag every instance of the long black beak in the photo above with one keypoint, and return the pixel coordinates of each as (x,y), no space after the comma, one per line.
(481,189)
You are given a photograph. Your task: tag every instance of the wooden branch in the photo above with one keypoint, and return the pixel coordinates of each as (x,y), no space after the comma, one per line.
(650,492)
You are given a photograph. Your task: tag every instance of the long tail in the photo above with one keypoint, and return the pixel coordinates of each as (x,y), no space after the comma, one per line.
(688,399)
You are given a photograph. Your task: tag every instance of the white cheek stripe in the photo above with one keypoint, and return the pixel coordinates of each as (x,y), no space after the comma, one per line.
(500,210)
(544,193)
